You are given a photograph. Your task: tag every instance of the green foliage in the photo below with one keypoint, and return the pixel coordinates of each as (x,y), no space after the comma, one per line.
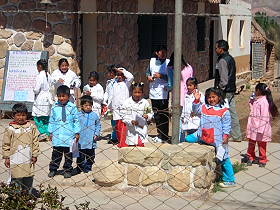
(12,197)
(237,167)
(271,28)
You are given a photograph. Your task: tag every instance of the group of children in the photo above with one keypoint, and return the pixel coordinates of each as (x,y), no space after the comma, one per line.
(205,119)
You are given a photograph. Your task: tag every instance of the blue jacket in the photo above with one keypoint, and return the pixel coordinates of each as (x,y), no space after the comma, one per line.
(64,132)
(90,127)
(214,124)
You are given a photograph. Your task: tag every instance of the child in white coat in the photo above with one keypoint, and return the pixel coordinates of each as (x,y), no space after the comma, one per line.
(119,94)
(137,111)
(95,90)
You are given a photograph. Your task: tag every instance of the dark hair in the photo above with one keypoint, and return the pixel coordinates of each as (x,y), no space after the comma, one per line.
(19,108)
(192,80)
(160,47)
(44,64)
(223,44)
(62,60)
(112,69)
(63,89)
(137,85)
(265,91)
(94,75)
(171,62)
(86,99)
(219,92)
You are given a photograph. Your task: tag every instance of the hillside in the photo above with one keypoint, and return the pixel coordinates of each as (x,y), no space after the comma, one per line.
(270,7)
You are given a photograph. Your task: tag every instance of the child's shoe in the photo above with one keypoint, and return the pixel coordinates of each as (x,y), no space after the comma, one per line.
(262,165)
(227,184)
(249,163)
(52,174)
(67,175)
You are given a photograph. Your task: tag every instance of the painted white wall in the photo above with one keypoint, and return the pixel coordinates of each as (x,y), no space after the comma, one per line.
(240,11)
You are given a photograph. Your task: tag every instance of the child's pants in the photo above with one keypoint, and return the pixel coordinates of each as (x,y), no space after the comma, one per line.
(57,157)
(228,172)
(114,137)
(42,124)
(262,151)
(25,182)
(85,160)
(121,133)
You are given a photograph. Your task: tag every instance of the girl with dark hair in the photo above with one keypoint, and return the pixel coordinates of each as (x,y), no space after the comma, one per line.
(136,112)
(43,99)
(64,76)
(95,90)
(263,110)
(186,72)
(214,129)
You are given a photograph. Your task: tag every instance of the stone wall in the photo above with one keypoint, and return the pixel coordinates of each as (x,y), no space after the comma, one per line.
(185,169)
(27,31)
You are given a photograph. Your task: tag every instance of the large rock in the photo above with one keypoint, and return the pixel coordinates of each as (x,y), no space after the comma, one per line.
(5,34)
(54,62)
(108,173)
(133,175)
(33,35)
(203,178)
(50,49)
(38,46)
(179,179)
(66,50)
(19,39)
(2,63)
(28,45)
(57,40)
(3,48)
(152,175)
(141,156)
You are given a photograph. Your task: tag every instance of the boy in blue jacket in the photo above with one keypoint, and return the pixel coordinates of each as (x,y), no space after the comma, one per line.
(64,128)
(90,131)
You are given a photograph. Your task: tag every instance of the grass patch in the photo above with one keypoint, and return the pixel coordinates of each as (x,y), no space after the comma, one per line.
(237,167)
(218,188)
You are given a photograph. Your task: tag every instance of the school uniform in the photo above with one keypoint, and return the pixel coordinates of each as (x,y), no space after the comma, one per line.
(121,92)
(159,96)
(42,101)
(97,94)
(136,135)
(90,128)
(64,125)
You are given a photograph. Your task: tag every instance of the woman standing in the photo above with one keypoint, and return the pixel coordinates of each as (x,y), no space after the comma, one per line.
(43,99)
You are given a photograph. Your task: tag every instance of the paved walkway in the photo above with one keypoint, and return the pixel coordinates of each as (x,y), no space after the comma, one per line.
(258,188)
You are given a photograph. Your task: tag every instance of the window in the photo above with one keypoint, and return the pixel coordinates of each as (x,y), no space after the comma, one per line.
(200,26)
(152,32)
(229,32)
(241,34)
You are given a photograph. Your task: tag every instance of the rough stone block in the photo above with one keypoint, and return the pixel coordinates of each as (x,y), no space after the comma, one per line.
(203,178)
(38,46)
(33,35)
(152,175)
(28,45)
(133,175)
(141,156)
(57,40)
(108,173)
(179,179)
(3,48)
(5,34)
(66,50)
(19,39)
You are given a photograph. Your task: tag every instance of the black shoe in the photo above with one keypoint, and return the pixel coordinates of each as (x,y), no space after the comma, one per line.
(52,174)
(67,175)
(262,165)
(249,163)
(76,171)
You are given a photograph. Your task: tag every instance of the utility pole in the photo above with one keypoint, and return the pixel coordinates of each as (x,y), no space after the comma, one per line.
(176,108)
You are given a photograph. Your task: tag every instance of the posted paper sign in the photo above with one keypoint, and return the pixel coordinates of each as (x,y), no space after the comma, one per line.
(21,75)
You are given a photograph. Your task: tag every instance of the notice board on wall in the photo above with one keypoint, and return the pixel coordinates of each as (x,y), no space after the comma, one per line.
(20,77)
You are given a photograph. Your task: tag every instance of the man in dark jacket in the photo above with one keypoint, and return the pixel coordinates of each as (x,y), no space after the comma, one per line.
(225,78)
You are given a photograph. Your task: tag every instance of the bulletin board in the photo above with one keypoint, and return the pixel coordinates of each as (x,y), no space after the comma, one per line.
(20,78)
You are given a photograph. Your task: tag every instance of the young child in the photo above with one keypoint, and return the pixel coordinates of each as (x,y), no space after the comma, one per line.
(119,94)
(215,127)
(107,102)
(90,131)
(43,99)
(64,128)
(189,119)
(21,148)
(259,123)
(95,90)
(137,111)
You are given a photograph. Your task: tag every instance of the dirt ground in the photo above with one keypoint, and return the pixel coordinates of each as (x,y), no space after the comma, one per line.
(243,113)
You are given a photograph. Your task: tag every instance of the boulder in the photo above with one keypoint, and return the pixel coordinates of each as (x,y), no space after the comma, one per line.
(19,39)
(33,35)
(28,45)
(179,179)
(2,63)
(65,49)
(141,156)
(203,178)
(152,175)
(5,34)
(108,173)
(3,48)
(57,40)
(133,175)
(38,46)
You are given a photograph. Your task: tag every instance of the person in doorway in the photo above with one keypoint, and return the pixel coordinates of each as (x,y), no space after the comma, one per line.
(225,79)
(43,99)
(157,76)
(64,76)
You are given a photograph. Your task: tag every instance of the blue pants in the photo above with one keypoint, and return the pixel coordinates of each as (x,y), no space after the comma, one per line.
(227,169)
(114,137)
(192,138)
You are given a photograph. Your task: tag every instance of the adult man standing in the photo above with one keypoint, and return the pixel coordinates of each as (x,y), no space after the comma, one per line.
(157,77)
(225,78)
